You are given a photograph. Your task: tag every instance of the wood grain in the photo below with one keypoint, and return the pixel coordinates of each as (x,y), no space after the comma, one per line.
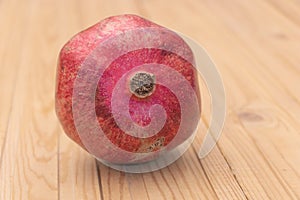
(255,45)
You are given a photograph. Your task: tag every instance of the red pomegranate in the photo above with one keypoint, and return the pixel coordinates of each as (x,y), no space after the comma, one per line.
(127,90)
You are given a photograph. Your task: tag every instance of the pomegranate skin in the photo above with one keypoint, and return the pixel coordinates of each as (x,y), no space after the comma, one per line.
(77,50)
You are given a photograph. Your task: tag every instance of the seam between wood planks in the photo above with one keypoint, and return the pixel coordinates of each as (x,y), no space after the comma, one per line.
(233,174)
(164,178)
(58,165)
(227,162)
(205,174)
(99,179)
(229,166)
(147,193)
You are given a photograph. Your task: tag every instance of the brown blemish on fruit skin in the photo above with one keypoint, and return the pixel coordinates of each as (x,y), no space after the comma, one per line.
(156,145)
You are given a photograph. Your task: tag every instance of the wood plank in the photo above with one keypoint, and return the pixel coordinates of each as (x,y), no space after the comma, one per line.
(9,67)
(258,91)
(115,186)
(29,162)
(78,177)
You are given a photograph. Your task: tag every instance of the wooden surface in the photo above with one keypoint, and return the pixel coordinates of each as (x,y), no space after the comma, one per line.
(256,46)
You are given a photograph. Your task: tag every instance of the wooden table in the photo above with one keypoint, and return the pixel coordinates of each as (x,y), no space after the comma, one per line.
(256,46)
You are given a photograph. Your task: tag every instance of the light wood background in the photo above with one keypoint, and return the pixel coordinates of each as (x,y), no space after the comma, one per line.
(256,46)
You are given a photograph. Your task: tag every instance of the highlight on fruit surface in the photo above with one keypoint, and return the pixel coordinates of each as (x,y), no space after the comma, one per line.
(127,90)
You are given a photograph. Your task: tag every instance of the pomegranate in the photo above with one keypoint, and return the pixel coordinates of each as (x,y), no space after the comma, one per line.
(127,90)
